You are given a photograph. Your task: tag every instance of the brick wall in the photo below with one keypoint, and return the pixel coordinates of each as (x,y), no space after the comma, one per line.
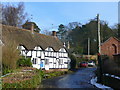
(110,47)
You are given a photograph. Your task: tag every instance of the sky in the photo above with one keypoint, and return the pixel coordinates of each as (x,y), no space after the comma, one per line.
(49,15)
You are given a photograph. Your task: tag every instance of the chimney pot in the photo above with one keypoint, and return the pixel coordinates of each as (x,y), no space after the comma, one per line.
(64,44)
(32,28)
(54,33)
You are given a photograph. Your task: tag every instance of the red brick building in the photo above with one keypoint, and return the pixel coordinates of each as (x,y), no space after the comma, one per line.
(110,47)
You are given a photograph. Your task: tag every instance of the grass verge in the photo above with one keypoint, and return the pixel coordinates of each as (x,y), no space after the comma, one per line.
(55,73)
(27,77)
(23,80)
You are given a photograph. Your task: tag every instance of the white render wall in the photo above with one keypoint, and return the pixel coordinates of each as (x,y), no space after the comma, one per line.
(55,59)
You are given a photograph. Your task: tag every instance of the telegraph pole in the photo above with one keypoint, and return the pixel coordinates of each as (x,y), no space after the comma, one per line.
(99,52)
(99,40)
(88,48)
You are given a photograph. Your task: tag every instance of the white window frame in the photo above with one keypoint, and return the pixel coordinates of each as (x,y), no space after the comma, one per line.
(60,61)
(46,61)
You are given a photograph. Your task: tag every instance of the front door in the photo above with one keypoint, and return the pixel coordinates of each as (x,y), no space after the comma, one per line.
(41,64)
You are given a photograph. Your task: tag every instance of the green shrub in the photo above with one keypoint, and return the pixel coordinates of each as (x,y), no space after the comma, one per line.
(73,62)
(42,74)
(54,74)
(6,69)
(24,62)
(10,55)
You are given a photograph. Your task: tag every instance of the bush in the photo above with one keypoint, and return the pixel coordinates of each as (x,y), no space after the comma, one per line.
(73,62)
(6,69)
(42,74)
(24,62)
(10,55)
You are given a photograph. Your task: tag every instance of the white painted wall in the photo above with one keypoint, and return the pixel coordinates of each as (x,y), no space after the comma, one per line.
(23,52)
(50,62)
(49,49)
(21,47)
(62,50)
(49,54)
(29,53)
(34,54)
(42,55)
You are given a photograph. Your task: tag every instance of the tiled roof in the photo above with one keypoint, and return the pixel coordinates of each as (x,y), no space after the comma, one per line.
(110,39)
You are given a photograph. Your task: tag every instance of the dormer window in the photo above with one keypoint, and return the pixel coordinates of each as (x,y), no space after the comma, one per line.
(62,50)
(1,43)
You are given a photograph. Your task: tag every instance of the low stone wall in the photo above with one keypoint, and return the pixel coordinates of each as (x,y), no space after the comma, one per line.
(90,56)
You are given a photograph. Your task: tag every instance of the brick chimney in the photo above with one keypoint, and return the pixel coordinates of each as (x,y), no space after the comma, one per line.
(64,44)
(32,28)
(54,33)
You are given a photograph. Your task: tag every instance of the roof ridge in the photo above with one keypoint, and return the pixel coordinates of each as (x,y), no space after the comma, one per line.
(25,37)
(25,30)
(109,39)
(116,39)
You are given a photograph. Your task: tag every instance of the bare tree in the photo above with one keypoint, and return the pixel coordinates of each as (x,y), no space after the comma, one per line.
(13,15)
(46,32)
(0,13)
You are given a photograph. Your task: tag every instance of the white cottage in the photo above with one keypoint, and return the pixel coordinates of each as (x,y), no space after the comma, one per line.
(46,52)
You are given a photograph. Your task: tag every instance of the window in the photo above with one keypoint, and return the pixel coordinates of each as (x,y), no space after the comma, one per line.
(61,61)
(46,53)
(49,49)
(34,61)
(1,43)
(65,62)
(52,54)
(62,50)
(38,54)
(56,54)
(62,54)
(20,47)
(46,61)
(49,53)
